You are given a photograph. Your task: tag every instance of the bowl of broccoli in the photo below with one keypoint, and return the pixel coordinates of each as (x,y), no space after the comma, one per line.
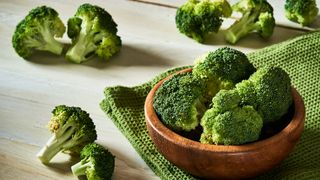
(223,118)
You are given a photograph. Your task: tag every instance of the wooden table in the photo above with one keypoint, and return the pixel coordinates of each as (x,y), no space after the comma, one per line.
(29,90)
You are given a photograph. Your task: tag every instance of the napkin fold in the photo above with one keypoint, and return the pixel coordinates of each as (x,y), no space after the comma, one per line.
(299,57)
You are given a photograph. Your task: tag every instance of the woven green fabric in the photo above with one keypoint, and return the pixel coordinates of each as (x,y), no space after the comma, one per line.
(300,57)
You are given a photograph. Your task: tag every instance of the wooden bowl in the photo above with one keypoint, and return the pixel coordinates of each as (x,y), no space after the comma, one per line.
(220,161)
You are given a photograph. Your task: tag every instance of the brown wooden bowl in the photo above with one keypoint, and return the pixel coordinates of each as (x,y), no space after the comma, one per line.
(220,161)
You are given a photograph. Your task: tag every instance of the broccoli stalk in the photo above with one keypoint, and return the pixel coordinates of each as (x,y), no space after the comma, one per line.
(37,31)
(72,128)
(80,168)
(198,18)
(257,17)
(96,163)
(302,11)
(92,31)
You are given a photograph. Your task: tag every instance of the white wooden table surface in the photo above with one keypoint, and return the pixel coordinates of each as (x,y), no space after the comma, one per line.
(29,90)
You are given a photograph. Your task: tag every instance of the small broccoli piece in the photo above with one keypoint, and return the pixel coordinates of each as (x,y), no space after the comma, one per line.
(302,11)
(229,123)
(96,163)
(93,32)
(37,31)
(257,17)
(72,129)
(197,18)
(179,102)
(272,86)
(222,69)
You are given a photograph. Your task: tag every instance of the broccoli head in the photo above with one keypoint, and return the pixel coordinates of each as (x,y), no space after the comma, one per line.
(72,129)
(301,11)
(272,86)
(257,16)
(96,163)
(222,69)
(179,102)
(229,123)
(37,31)
(93,32)
(198,18)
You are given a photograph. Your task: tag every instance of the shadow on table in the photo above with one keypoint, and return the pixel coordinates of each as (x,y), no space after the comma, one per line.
(128,56)
(253,40)
(63,167)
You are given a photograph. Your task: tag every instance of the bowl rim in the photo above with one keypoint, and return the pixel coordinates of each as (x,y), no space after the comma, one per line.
(156,124)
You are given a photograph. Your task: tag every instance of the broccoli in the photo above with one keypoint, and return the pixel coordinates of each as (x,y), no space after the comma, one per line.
(272,88)
(257,17)
(197,18)
(96,163)
(92,31)
(72,128)
(179,102)
(222,69)
(37,31)
(301,11)
(229,123)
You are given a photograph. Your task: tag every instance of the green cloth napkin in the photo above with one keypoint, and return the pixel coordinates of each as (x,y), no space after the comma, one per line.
(300,57)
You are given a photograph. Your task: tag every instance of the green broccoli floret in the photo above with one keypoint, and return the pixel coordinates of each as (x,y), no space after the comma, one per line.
(96,163)
(93,32)
(302,11)
(37,31)
(197,18)
(257,17)
(72,129)
(179,102)
(272,87)
(222,69)
(229,123)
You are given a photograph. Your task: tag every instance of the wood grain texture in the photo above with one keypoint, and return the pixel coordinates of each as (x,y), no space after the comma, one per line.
(29,90)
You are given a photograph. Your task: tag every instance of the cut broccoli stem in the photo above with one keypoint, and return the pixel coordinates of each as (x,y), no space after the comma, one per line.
(241,28)
(79,169)
(47,42)
(82,48)
(54,145)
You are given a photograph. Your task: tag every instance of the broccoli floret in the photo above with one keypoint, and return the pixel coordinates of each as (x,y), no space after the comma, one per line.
(229,123)
(197,18)
(72,129)
(222,69)
(96,163)
(179,102)
(37,31)
(273,97)
(93,32)
(257,17)
(301,11)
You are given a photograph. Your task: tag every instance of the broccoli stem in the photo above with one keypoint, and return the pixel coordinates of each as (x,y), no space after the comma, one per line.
(54,145)
(79,169)
(50,43)
(82,48)
(241,28)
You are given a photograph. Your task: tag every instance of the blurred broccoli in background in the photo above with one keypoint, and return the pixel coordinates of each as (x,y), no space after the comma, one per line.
(302,11)
(197,18)
(257,16)
(179,102)
(237,115)
(37,31)
(96,163)
(222,69)
(93,32)
(72,129)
